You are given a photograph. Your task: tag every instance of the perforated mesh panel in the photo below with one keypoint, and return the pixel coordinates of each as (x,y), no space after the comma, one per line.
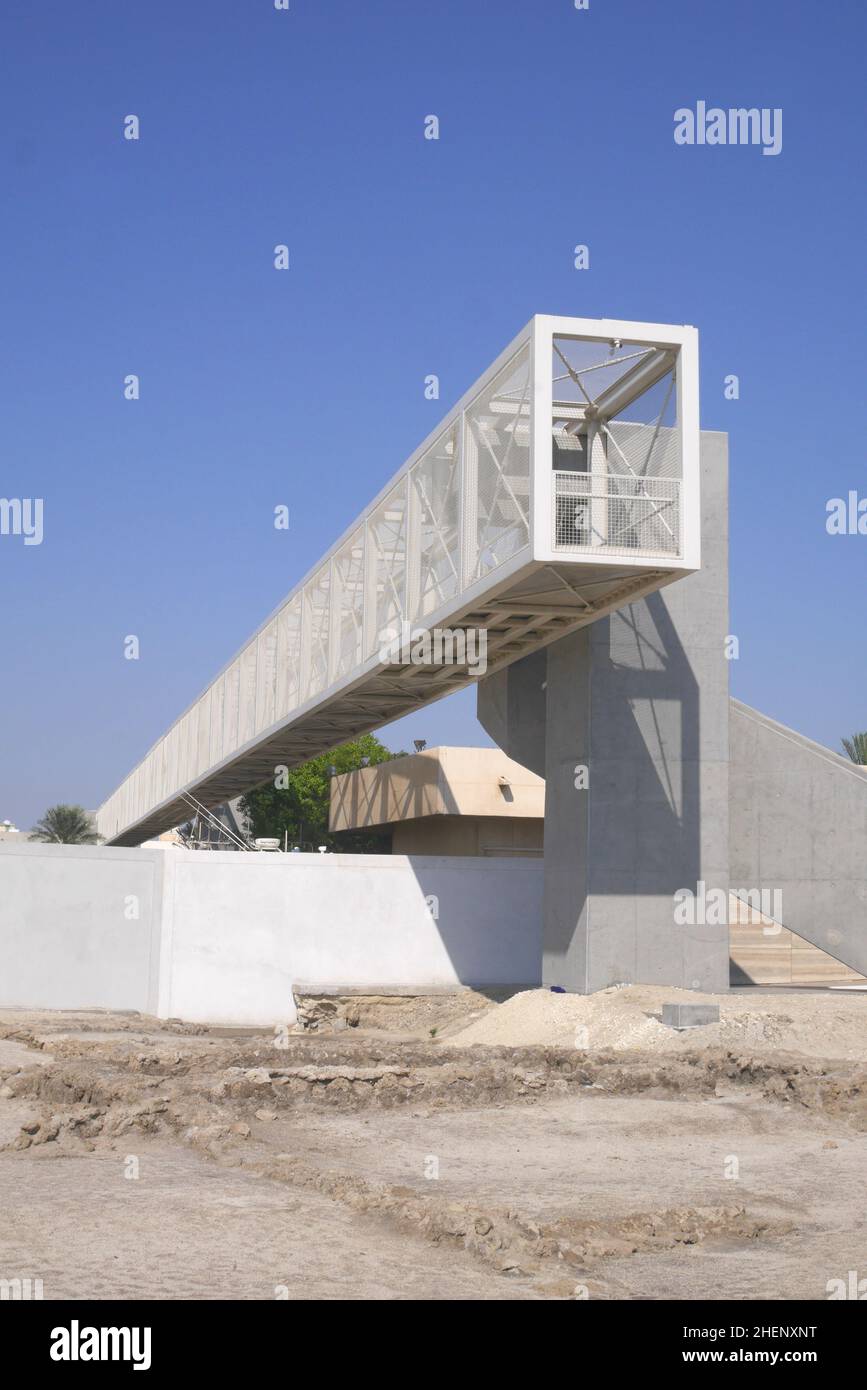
(644,449)
(435,482)
(183,754)
(386,534)
(349,586)
(171,760)
(617,514)
(218,703)
(247,708)
(203,735)
(497,467)
(231,705)
(288,657)
(266,681)
(317,597)
(149,772)
(189,738)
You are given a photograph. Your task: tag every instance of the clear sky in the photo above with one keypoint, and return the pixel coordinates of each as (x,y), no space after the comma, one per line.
(408,257)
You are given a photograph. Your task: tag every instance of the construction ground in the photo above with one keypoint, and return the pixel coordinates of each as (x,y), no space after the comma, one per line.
(447,1147)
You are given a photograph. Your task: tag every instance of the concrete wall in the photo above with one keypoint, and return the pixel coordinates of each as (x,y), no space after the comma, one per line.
(799,824)
(244,929)
(79,926)
(223,937)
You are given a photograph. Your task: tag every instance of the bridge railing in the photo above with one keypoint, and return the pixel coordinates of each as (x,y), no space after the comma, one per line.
(617,513)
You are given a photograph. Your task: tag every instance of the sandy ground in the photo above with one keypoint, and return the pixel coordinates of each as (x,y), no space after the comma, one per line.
(792,1214)
(501,1160)
(188,1228)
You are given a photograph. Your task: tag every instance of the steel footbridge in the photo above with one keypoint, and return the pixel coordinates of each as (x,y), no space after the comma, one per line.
(563,485)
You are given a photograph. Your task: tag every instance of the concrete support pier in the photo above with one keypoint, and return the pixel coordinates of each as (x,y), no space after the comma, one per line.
(628,720)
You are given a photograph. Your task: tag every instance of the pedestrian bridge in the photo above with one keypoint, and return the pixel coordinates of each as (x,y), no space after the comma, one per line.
(563,485)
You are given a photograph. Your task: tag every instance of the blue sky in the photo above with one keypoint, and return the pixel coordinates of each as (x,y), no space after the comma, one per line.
(409,257)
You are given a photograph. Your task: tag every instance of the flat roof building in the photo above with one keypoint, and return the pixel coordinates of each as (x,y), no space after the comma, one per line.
(445,801)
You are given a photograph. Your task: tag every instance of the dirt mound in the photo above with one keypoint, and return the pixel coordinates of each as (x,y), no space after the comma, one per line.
(628,1019)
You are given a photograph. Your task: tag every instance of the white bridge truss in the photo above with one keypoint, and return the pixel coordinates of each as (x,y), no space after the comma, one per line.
(564,484)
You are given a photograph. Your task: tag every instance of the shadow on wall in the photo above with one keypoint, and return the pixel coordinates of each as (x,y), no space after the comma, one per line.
(488,916)
(622,699)
(645,754)
(379,797)
(415,787)
(645,749)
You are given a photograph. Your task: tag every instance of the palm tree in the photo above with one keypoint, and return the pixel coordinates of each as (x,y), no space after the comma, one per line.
(65,825)
(856,747)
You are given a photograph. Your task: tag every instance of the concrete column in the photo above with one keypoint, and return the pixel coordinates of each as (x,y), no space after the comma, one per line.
(639,700)
(510,705)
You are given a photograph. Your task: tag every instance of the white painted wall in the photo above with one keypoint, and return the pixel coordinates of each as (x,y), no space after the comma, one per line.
(226,936)
(69,936)
(243,928)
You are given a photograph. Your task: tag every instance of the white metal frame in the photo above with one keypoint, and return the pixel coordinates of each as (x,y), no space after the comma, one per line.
(683,340)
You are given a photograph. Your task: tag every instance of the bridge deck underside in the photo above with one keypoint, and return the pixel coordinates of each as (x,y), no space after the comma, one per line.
(539,606)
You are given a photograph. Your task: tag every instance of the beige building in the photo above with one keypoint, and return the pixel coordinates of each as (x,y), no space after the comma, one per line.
(477,801)
(445,801)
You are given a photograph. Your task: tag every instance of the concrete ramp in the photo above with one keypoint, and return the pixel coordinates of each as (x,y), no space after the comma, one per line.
(798,825)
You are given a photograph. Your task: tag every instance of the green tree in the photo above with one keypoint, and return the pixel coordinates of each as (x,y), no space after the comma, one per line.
(65,825)
(856,747)
(299,810)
